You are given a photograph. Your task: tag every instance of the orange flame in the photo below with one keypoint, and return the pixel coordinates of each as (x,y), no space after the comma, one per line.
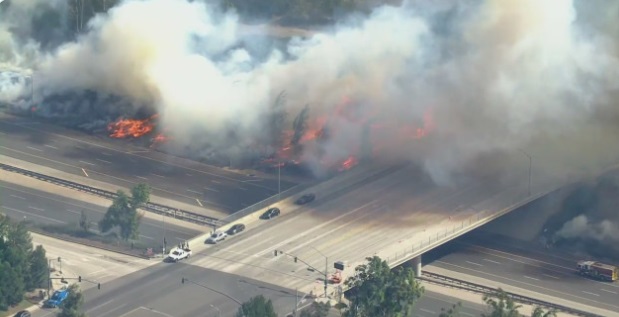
(125,128)
(349,163)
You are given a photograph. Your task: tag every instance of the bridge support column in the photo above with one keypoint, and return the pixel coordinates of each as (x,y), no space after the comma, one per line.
(417,265)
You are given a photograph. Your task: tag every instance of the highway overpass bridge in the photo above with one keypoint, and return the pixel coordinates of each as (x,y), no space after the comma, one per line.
(395,213)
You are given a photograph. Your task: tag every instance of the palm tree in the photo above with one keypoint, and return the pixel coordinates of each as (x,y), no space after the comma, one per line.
(502,305)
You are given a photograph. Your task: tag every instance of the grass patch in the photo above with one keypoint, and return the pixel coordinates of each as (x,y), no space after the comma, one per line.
(72,232)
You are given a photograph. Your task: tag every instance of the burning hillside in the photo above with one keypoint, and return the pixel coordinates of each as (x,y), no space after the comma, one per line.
(441,83)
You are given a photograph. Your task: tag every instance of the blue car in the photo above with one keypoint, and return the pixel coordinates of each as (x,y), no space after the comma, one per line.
(57,298)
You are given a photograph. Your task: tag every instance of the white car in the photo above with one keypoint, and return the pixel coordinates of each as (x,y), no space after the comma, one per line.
(216,237)
(178,254)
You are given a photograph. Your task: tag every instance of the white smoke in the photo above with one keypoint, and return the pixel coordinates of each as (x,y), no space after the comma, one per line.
(496,76)
(582,228)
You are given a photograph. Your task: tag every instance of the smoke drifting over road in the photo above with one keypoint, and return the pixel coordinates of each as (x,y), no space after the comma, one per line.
(479,78)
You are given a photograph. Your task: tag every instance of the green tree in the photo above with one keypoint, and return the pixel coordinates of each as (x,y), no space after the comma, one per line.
(453,311)
(501,305)
(539,312)
(257,307)
(376,290)
(12,286)
(123,213)
(72,305)
(317,310)
(39,269)
(299,125)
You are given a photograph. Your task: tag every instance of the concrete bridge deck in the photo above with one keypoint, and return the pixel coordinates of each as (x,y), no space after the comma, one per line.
(396,214)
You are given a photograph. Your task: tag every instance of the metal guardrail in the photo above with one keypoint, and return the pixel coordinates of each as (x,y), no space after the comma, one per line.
(267,202)
(150,206)
(461,284)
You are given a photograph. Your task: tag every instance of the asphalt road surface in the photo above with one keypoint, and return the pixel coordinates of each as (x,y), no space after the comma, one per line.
(527,266)
(118,162)
(385,216)
(40,207)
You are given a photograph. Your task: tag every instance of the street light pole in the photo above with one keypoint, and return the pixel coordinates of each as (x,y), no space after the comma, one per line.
(279,175)
(530,167)
(326,268)
(164,241)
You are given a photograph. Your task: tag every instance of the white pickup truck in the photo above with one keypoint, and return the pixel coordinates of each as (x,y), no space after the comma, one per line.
(178,254)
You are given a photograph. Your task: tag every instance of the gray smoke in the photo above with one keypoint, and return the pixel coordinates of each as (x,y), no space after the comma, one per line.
(582,228)
(481,78)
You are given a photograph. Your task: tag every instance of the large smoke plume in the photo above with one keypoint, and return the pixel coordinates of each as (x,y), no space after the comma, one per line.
(491,76)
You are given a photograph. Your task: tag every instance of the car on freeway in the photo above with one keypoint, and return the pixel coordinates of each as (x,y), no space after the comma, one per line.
(239,227)
(23,313)
(270,213)
(216,237)
(307,198)
(177,254)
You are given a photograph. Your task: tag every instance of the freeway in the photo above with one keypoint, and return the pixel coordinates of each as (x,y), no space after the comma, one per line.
(527,266)
(21,202)
(120,163)
(387,215)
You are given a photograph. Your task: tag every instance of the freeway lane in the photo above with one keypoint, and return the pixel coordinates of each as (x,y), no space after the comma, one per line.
(528,267)
(118,162)
(21,202)
(385,217)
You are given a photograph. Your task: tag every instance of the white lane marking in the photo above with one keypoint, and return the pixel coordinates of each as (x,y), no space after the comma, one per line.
(35,149)
(491,261)
(213,190)
(18,197)
(188,174)
(427,311)
(567,295)
(73,211)
(140,177)
(608,291)
(35,208)
(531,278)
(469,262)
(193,191)
(551,276)
(106,154)
(216,182)
(104,161)
(199,203)
(31,214)
(594,294)
(158,175)
(93,164)
(51,146)
(467,314)
(147,237)
(83,170)
(241,188)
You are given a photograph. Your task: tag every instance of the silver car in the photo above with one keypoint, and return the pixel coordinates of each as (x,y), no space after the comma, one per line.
(216,237)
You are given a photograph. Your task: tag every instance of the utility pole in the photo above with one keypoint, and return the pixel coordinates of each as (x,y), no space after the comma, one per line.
(164,241)
(49,280)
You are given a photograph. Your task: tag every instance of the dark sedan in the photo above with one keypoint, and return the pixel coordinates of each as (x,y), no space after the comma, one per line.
(270,213)
(307,198)
(23,313)
(239,227)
